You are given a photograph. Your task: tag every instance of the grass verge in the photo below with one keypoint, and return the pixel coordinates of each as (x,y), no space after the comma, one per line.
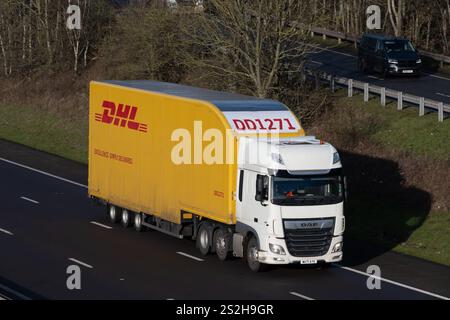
(61,134)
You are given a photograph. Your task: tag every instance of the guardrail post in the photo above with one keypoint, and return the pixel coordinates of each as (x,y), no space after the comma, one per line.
(421,106)
(400,101)
(339,40)
(366,92)
(441,112)
(324,36)
(316,80)
(332,83)
(350,88)
(383,96)
(312,33)
(303,75)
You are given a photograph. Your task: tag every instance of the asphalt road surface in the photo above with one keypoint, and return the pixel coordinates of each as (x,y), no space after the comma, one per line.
(47,223)
(342,63)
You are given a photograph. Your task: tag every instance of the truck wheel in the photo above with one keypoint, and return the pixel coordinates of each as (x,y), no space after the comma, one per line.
(251,256)
(113,213)
(222,244)
(203,240)
(126,218)
(138,219)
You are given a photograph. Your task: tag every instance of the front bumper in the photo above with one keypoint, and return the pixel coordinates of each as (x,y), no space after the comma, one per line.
(268,257)
(403,70)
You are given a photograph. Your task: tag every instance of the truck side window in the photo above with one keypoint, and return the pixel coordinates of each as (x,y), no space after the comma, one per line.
(241,184)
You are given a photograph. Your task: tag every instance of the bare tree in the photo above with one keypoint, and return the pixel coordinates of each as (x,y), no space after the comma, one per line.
(251,42)
(396,11)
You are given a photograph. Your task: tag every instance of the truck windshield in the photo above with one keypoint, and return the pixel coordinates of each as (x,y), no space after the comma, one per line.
(398,46)
(307,190)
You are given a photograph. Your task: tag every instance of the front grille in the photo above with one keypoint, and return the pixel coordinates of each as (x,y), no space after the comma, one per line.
(407,63)
(308,242)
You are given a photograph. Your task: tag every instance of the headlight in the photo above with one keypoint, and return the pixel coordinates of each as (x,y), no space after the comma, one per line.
(419,61)
(337,247)
(336,158)
(276,249)
(393,61)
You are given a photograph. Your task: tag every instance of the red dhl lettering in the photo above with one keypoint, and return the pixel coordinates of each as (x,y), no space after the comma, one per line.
(122,115)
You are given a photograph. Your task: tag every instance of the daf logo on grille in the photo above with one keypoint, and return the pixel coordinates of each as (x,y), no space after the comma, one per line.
(308,225)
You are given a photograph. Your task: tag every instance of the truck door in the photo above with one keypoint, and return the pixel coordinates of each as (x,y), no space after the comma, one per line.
(251,209)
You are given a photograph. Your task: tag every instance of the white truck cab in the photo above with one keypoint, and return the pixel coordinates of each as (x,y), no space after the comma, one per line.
(289,202)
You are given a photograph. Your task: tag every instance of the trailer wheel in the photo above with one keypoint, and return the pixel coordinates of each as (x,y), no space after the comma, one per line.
(203,240)
(251,256)
(113,213)
(126,218)
(222,244)
(138,219)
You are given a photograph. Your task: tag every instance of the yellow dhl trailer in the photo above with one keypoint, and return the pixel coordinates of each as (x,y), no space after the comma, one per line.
(233,172)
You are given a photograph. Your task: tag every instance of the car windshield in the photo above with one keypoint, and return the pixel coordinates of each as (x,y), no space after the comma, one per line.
(307,190)
(398,46)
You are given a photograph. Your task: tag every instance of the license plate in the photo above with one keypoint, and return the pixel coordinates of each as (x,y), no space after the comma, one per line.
(407,71)
(308,261)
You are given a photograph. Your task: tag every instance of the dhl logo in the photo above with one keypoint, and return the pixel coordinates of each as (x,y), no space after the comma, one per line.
(122,115)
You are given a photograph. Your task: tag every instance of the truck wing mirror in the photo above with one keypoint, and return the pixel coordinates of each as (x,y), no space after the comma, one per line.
(261,188)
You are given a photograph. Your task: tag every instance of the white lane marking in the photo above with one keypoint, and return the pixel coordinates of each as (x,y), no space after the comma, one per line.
(44,173)
(300,295)
(373,77)
(170,299)
(6,231)
(316,62)
(101,225)
(435,76)
(189,256)
(81,263)
(443,95)
(392,282)
(29,200)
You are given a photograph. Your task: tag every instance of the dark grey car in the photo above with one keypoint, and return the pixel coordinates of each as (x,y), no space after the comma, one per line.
(388,56)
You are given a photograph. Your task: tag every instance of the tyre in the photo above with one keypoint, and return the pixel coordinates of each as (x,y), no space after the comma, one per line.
(251,256)
(113,213)
(203,240)
(137,222)
(222,244)
(126,218)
